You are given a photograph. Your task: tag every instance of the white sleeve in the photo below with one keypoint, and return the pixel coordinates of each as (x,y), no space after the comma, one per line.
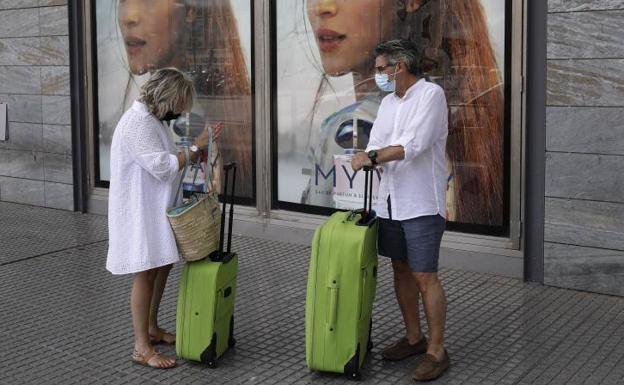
(146,147)
(374,141)
(428,125)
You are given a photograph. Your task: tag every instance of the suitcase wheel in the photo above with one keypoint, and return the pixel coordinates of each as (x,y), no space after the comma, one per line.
(352,368)
(355,376)
(209,356)
(231,342)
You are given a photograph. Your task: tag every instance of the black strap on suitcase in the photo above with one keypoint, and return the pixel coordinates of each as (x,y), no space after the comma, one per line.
(220,255)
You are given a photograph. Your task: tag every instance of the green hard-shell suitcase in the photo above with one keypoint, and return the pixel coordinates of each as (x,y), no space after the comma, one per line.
(204,318)
(342,279)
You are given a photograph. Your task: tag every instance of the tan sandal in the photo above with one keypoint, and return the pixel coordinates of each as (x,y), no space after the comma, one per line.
(164,337)
(144,359)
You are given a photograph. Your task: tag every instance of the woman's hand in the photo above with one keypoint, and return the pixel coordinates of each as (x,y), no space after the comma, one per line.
(202,139)
(217,129)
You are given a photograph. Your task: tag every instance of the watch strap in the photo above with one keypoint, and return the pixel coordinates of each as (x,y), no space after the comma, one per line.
(373,157)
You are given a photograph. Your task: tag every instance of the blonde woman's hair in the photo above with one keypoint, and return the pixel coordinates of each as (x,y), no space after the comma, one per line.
(168,89)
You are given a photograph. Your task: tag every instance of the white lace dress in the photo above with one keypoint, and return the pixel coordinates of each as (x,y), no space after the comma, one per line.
(143,182)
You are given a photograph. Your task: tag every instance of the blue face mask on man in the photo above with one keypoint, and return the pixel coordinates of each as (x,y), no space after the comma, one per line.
(384,83)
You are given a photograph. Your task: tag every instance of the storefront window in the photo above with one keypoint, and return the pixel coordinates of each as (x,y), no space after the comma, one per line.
(327,99)
(208,39)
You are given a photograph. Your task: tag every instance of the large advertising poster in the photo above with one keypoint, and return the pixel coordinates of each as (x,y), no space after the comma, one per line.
(327,99)
(208,39)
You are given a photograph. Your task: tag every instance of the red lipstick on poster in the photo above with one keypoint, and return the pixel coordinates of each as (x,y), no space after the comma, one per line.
(328,39)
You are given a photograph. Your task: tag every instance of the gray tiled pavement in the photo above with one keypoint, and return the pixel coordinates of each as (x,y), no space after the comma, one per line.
(65,320)
(28,231)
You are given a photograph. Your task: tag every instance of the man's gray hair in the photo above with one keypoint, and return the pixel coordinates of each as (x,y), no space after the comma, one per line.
(402,50)
(168,89)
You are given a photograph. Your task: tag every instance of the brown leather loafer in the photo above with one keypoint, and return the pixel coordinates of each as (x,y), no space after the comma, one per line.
(403,349)
(429,368)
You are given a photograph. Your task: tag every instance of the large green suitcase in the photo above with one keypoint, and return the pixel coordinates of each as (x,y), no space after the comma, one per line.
(342,279)
(204,318)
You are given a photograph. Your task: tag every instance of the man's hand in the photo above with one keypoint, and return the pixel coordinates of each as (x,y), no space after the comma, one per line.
(360,160)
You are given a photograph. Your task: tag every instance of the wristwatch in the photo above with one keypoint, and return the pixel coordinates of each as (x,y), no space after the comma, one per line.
(372,155)
(194,148)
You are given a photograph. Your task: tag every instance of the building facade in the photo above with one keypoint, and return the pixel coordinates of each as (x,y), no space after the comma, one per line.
(36,157)
(535,105)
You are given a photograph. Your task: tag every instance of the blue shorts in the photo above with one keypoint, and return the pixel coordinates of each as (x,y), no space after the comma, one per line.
(416,241)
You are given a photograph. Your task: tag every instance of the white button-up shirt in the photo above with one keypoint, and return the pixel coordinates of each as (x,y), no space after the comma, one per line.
(418,122)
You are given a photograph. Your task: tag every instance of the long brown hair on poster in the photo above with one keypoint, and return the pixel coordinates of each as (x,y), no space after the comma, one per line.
(458,54)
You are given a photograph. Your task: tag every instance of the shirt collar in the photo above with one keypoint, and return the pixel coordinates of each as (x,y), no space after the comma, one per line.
(140,107)
(412,89)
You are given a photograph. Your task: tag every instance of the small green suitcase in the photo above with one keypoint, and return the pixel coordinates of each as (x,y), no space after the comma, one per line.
(204,318)
(342,279)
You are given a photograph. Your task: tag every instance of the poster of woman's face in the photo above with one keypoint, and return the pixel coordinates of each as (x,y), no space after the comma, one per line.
(208,39)
(327,99)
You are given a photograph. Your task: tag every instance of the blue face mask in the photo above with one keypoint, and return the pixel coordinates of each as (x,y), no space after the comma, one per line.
(384,83)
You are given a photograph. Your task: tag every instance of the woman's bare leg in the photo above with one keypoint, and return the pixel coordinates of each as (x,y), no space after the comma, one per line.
(160,281)
(140,299)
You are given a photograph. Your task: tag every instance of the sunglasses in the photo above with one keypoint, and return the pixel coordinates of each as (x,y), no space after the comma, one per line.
(383,67)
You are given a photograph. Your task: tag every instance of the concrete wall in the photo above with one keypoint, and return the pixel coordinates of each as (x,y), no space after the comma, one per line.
(584,215)
(36,161)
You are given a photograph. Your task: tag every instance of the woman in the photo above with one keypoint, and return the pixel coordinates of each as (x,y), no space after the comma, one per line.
(145,176)
(199,37)
(458,55)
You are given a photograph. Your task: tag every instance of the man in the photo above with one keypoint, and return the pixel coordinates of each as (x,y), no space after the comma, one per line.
(408,142)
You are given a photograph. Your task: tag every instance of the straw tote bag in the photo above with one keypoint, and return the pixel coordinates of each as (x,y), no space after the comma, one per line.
(196,223)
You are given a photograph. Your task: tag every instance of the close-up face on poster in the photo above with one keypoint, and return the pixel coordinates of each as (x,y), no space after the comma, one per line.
(327,99)
(210,40)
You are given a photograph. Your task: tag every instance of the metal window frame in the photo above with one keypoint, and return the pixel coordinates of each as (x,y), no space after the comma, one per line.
(536,14)
(79,114)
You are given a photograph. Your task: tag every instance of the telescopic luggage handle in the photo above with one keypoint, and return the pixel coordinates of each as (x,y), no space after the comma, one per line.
(368,216)
(220,255)
(368,188)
